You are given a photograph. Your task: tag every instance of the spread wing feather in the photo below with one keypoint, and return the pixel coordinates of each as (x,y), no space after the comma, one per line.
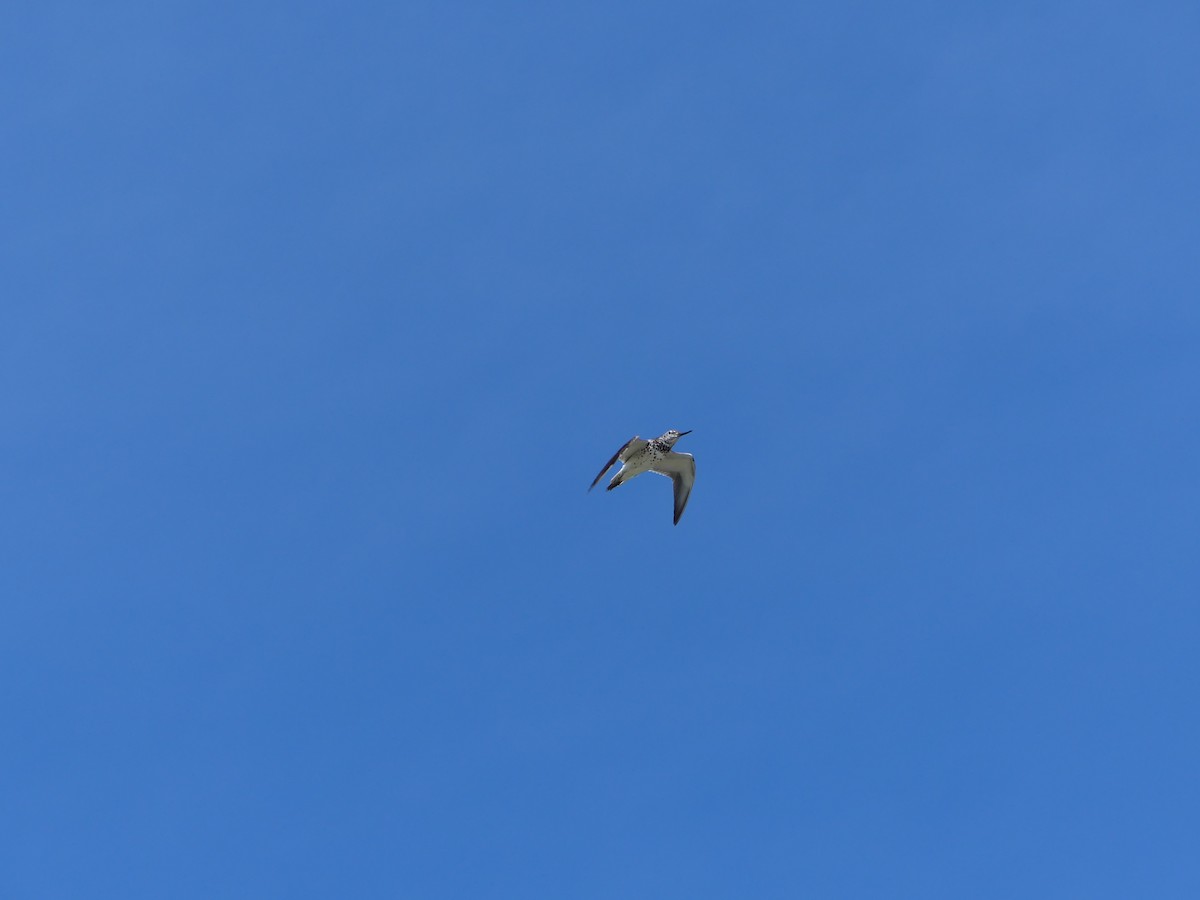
(681,469)
(608,465)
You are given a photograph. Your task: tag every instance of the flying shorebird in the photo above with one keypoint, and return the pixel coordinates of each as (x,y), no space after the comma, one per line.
(655,456)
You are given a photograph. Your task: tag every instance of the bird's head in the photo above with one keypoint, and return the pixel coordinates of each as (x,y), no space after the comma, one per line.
(672,436)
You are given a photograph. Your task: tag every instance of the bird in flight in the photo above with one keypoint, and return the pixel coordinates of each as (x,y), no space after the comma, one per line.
(656,456)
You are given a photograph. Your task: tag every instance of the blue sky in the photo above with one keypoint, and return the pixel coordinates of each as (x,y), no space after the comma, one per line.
(319,320)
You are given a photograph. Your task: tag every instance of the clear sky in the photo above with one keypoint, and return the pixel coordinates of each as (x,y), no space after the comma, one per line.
(318,319)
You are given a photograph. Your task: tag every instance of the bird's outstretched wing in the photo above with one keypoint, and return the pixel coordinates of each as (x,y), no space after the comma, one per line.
(635,442)
(681,469)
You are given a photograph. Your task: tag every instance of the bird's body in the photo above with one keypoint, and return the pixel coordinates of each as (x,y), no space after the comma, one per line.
(657,455)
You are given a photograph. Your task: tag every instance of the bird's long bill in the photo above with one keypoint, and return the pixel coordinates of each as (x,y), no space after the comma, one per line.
(682,433)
